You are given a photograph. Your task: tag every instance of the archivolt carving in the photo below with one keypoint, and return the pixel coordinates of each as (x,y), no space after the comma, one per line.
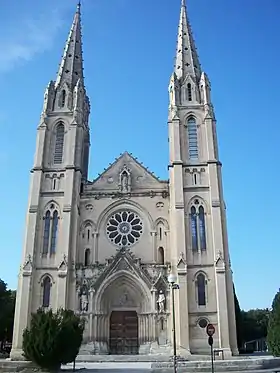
(125,263)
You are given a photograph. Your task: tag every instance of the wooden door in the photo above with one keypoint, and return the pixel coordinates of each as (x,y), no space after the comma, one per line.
(124,333)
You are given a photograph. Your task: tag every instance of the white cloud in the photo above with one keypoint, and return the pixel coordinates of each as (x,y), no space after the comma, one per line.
(31,36)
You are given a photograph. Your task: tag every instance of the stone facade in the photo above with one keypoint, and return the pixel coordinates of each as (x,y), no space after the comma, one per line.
(104,248)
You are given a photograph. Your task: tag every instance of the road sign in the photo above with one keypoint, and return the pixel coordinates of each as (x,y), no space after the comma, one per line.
(210,340)
(210,330)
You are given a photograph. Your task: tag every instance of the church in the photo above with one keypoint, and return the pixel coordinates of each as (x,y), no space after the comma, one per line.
(104,248)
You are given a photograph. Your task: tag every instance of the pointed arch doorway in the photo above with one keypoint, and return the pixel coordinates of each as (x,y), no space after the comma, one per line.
(124,333)
(125,299)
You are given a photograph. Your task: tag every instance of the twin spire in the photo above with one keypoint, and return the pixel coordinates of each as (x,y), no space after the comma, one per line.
(186,60)
(71,66)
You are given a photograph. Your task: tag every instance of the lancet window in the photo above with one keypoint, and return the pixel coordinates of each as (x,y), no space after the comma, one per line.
(51,219)
(201,289)
(198,226)
(59,143)
(46,292)
(192,138)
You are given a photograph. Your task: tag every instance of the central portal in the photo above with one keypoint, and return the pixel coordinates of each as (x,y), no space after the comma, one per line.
(124,333)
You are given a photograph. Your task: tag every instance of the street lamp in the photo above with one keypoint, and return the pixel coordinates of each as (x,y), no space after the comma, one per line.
(172,282)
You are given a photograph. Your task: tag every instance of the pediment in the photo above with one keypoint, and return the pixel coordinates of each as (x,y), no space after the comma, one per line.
(63,267)
(137,177)
(123,261)
(27,266)
(188,79)
(220,261)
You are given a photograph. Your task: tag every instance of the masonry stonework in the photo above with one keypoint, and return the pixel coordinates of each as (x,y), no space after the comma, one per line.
(104,248)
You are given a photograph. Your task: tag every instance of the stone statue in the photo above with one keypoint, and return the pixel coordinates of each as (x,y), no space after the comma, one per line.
(161,301)
(124,182)
(124,299)
(84,301)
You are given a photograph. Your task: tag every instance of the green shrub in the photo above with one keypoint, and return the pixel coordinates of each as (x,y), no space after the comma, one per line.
(273,335)
(53,338)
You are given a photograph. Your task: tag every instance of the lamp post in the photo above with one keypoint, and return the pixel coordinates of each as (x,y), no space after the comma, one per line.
(172,282)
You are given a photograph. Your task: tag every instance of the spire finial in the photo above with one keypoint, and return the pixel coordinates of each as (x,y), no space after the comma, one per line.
(186,61)
(71,66)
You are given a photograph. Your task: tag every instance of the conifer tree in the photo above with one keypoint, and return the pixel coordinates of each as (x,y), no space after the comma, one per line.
(53,339)
(273,335)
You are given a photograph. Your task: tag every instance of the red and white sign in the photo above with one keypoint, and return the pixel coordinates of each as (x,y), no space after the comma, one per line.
(210,330)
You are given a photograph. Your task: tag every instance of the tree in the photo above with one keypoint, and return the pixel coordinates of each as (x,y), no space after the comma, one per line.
(7,310)
(238,320)
(53,338)
(273,335)
(255,324)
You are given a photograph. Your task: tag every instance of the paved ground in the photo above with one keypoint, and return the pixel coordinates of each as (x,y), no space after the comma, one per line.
(116,367)
(132,367)
(112,365)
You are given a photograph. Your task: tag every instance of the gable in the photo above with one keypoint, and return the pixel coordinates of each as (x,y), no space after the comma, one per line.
(127,174)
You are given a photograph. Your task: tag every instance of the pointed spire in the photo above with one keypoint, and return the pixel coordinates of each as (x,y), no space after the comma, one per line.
(186,61)
(71,66)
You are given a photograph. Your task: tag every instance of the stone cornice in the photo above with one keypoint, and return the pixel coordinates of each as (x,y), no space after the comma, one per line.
(60,169)
(179,205)
(52,193)
(204,163)
(33,209)
(197,188)
(199,265)
(67,208)
(115,195)
(175,163)
(203,312)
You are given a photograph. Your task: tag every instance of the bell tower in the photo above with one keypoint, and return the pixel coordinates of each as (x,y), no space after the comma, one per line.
(199,244)
(60,166)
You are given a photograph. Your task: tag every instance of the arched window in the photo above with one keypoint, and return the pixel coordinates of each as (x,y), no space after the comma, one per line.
(46,237)
(201,290)
(161,255)
(87,257)
(192,138)
(62,98)
(54,232)
(194,229)
(59,144)
(198,226)
(46,292)
(189,92)
(202,232)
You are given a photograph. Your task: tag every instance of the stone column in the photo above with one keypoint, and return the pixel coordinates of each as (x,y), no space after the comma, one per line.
(90,316)
(154,246)
(183,322)
(222,310)
(21,313)
(95,247)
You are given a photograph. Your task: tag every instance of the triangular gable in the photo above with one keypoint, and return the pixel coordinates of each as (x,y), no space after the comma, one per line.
(123,261)
(139,176)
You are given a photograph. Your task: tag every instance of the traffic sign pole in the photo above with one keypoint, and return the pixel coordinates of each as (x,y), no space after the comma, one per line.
(210,330)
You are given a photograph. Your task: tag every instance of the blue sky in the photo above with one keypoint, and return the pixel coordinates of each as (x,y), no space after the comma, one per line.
(129,47)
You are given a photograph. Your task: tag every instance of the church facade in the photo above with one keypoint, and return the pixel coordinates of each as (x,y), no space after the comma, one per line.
(104,248)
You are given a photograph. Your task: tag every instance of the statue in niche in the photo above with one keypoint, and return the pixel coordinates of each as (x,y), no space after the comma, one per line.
(123,299)
(161,301)
(124,182)
(84,301)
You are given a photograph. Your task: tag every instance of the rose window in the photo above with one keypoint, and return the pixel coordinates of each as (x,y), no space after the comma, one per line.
(124,228)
